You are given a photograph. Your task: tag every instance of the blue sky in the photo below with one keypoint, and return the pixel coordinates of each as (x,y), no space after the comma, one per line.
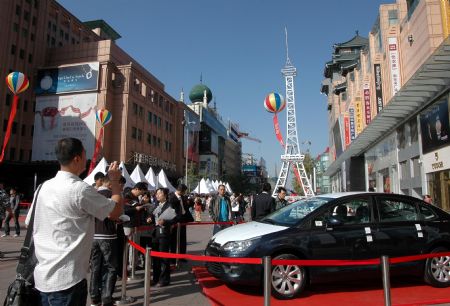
(239,48)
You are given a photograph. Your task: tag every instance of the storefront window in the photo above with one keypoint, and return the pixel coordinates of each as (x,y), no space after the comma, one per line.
(434,127)
(439,188)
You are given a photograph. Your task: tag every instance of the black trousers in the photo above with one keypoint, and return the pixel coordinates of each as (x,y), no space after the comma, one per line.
(161,266)
(16,222)
(183,240)
(104,263)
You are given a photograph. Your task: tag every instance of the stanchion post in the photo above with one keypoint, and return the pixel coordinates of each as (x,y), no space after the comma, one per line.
(124,299)
(386,280)
(267,263)
(177,261)
(133,257)
(148,276)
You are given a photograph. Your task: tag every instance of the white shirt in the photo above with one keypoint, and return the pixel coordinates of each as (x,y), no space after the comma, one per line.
(63,230)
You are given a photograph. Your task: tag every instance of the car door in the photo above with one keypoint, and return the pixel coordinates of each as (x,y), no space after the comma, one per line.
(400,228)
(349,238)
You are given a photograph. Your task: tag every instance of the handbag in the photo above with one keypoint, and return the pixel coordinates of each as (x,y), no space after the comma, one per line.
(21,291)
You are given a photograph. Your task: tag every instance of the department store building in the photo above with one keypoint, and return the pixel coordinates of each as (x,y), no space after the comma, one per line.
(388,106)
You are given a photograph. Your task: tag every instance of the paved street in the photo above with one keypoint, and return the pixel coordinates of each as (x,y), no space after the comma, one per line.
(183,290)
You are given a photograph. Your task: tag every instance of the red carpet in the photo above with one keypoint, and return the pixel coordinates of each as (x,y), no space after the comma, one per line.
(414,293)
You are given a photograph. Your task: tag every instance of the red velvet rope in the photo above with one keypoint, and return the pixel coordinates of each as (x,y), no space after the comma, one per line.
(287,262)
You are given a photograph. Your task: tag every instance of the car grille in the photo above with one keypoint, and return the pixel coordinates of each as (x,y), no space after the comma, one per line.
(215,268)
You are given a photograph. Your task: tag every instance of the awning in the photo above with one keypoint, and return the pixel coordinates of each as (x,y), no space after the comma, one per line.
(429,81)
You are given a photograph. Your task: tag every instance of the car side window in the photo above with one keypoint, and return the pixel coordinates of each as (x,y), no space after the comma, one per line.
(392,210)
(355,211)
(426,213)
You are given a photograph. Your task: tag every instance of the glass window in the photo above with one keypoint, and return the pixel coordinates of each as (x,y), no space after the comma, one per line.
(155,119)
(392,210)
(416,167)
(135,108)
(159,121)
(355,211)
(411,6)
(393,17)
(26,15)
(12,153)
(141,111)
(149,138)
(154,140)
(401,137)
(426,213)
(16,27)
(23,130)
(14,128)
(25,105)
(413,130)
(133,132)
(18,10)
(149,117)
(139,135)
(13,49)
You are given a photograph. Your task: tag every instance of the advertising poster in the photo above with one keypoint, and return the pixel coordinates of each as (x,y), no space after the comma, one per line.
(193,128)
(368,115)
(351,113)
(434,126)
(378,87)
(395,64)
(347,130)
(59,117)
(64,79)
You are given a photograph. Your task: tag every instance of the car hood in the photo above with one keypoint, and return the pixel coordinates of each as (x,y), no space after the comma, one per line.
(245,231)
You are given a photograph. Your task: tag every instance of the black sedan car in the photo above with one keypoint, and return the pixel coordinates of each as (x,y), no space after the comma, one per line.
(350,226)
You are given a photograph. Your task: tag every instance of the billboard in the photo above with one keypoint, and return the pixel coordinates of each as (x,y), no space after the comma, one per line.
(337,136)
(368,114)
(434,126)
(59,117)
(64,79)
(351,113)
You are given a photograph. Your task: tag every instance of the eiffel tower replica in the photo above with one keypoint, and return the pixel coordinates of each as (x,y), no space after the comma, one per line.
(292,155)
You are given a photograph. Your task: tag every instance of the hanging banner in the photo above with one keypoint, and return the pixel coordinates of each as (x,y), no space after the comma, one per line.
(347,130)
(368,114)
(351,113)
(276,125)
(61,116)
(395,64)
(359,117)
(378,87)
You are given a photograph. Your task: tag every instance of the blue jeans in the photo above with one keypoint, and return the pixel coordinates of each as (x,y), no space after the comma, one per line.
(74,296)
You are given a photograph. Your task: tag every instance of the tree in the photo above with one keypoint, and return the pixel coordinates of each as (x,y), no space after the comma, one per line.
(308,163)
(193,176)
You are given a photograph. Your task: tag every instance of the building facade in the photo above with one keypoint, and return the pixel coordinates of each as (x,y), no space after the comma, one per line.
(401,145)
(75,69)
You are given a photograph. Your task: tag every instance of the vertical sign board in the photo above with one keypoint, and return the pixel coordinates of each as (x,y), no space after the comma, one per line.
(378,87)
(347,130)
(368,114)
(359,117)
(395,65)
(351,112)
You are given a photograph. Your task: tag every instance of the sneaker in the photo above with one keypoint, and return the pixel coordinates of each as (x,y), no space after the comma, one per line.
(4,235)
(16,235)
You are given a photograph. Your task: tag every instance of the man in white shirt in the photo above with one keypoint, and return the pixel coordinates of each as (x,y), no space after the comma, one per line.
(63,229)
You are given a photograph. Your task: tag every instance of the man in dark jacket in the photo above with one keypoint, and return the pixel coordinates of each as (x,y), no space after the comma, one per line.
(263,204)
(164,216)
(178,199)
(220,209)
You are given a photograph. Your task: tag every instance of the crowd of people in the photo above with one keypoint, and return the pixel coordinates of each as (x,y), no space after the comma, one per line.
(9,209)
(68,217)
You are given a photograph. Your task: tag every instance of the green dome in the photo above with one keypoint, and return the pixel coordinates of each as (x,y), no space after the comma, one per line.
(197,93)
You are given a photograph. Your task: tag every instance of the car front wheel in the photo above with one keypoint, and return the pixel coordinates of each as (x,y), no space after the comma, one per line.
(288,281)
(437,269)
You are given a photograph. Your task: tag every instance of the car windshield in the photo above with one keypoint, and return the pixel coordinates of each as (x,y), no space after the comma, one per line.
(293,213)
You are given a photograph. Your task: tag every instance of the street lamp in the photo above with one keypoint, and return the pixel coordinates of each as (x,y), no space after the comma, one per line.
(186,124)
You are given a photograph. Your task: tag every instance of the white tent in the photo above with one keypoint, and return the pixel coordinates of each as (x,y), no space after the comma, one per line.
(210,185)
(202,187)
(101,167)
(215,185)
(228,188)
(151,179)
(163,181)
(137,175)
(129,181)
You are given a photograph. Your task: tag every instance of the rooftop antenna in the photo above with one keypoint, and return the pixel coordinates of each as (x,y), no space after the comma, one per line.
(288,60)
(201,78)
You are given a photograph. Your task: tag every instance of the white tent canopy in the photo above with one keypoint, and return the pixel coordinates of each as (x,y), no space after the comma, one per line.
(101,167)
(151,179)
(163,181)
(137,175)
(202,188)
(129,181)
(228,188)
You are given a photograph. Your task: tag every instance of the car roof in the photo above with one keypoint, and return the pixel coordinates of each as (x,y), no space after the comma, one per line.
(337,195)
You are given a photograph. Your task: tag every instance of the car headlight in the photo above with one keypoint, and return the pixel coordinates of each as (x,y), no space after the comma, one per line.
(238,246)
